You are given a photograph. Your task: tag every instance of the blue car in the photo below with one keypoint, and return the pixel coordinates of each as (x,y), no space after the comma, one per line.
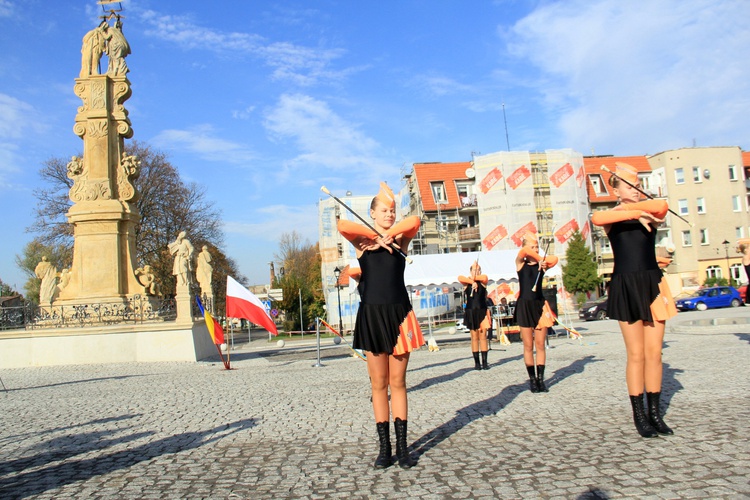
(709,298)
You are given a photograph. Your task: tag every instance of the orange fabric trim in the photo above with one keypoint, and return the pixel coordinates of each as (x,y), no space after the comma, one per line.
(411,338)
(657,208)
(407,227)
(467,280)
(548,317)
(351,230)
(604,217)
(663,306)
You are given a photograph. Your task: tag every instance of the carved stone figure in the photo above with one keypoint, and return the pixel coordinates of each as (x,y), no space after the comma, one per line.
(130,170)
(94,44)
(46,272)
(204,271)
(182,250)
(117,48)
(147,278)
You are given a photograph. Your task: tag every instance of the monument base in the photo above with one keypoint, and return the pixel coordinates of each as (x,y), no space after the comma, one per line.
(110,344)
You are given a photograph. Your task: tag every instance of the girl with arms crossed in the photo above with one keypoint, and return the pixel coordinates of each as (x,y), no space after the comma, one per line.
(386,327)
(639,297)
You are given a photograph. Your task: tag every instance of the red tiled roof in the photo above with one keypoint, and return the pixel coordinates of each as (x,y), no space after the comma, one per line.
(593,165)
(446,172)
(746,159)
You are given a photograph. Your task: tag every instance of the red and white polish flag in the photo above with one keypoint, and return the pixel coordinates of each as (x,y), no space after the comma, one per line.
(241,303)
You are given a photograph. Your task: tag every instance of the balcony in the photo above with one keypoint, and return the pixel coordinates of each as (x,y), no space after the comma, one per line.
(468,234)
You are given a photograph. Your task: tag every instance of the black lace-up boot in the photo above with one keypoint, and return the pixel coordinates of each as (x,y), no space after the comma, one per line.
(402,452)
(645,429)
(384,435)
(533,384)
(540,378)
(654,413)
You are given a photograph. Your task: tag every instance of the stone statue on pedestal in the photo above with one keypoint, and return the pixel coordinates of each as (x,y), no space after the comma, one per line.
(46,272)
(204,271)
(182,250)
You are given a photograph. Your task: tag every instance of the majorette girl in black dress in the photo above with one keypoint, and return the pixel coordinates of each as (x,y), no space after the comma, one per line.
(639,297)
(475,314)
(533,314)
(386,327)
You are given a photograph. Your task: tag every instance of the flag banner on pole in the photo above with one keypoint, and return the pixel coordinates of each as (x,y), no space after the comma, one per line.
(241,303)
(214,328)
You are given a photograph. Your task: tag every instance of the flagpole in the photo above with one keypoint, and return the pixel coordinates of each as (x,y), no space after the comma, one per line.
(317,334)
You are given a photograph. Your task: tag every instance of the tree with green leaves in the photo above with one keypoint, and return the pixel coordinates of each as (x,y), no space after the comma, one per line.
(300,262)
(167,205)
(579,272)
(6,290)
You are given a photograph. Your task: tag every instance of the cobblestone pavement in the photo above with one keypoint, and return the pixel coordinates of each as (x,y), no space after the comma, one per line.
(276,426)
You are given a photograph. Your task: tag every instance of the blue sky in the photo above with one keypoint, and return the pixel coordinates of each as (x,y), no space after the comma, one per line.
(264,102)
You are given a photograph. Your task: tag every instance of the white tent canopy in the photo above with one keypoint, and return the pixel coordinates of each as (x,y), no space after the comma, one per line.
(445,268)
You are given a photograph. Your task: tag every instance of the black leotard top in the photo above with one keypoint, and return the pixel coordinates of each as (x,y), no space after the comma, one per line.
(476,300)
(382,279)
(633,247)
(527,276)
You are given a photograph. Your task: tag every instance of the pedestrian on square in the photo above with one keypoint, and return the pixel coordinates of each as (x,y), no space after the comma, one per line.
(386,327)
(475,313)
(639,297)
(533,314)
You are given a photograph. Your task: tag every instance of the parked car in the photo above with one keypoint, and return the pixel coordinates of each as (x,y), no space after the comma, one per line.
(705,298)
(594,309)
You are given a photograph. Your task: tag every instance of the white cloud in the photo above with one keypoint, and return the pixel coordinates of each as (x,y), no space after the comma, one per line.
(641,77)
(326,141)
(19,120)
(202,141)
(274,220)
(301,65)
(6,8)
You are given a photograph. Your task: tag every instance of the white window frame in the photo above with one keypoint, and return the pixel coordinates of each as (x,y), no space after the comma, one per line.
(700,205)
(704,236)
(597,184)
(697,175)
(733,173)
(735,272)
(679,179)
(687,239)
(682,206)
(736,204)
(438,192)
(713,272)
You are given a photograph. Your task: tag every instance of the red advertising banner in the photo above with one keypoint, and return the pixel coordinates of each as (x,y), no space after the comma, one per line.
(561,175)
(495,237)
(518,176)
(489,180)
(517,237)
(564,233)
(580,176)
(586,230)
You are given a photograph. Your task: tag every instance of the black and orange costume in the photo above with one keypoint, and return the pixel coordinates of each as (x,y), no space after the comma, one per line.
(639,297)
(386,326)
(532,310)
(475,315)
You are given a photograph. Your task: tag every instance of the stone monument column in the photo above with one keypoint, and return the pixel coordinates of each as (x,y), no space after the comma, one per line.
(104,213)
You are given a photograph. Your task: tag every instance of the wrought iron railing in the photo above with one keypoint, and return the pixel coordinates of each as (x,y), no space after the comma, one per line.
(131,310)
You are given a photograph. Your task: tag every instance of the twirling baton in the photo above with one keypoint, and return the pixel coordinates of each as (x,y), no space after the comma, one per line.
(474,276)
(393,245)
(644,193)
(539,273)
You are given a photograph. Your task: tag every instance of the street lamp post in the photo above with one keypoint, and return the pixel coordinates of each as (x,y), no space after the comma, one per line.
(337,274)
(726,254)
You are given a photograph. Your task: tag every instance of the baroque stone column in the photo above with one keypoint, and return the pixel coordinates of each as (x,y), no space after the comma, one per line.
(104,213)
